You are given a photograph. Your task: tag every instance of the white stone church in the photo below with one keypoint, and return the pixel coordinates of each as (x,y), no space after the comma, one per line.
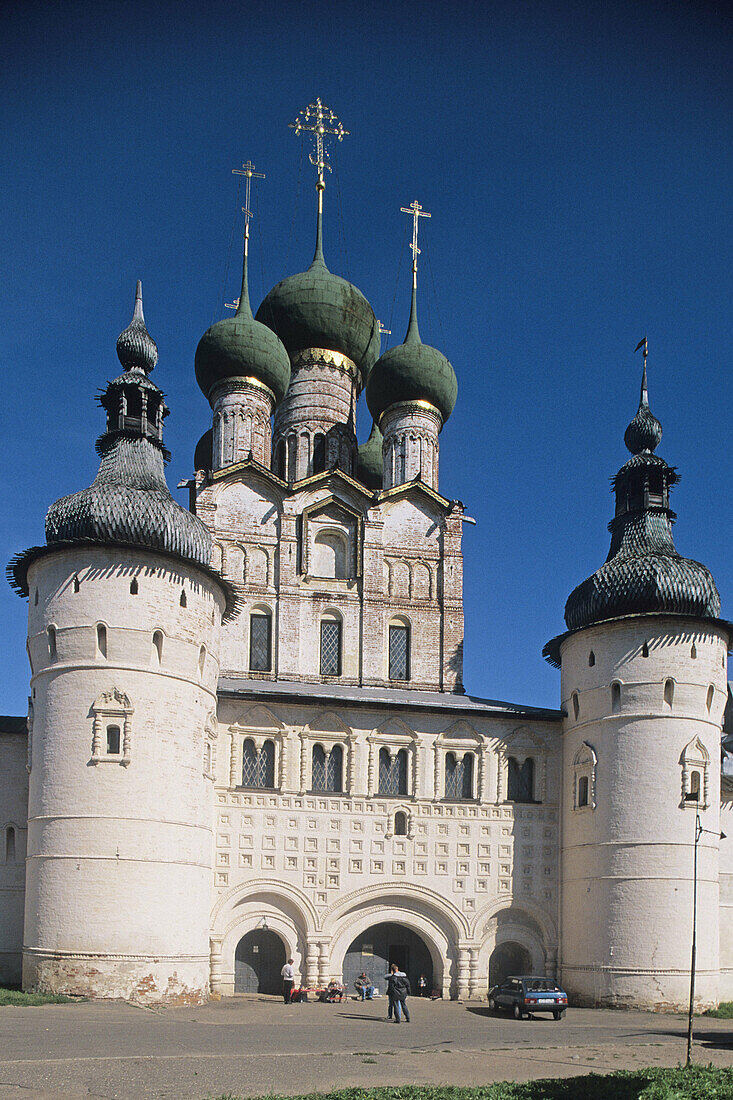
(248,737)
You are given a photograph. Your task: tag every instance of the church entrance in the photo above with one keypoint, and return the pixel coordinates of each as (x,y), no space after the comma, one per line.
(375,948)
(258,960)
(508,958)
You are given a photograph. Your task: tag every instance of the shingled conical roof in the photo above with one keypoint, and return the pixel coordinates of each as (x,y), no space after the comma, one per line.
(643,572)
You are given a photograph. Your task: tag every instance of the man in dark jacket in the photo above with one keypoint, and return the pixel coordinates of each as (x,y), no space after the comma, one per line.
(398,989)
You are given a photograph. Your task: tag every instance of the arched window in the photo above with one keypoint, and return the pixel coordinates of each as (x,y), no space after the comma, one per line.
(35,598)
(158,646)
(258,766)
(695,786)
(399,651)
(318,776)
(576,705)
(591,659)
(583,791)
(520,780)
(183,601)
(249,764)
(51,635)
(319,453)
(202,660)
(280,459)
(693,652)
(114,741)
(267,765)
(10,844)
(392,772)
(330,646)
(669,693)
(77,586)
(330,553)
(615,697)
(645,650)
(400,823)
(134,587)
(101,640)
(260,641)
(709,698)
(335,770)
(459,777)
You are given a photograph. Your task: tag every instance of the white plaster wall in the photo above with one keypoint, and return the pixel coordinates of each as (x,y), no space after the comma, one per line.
(13,815)
(318,865)
(627,863)
(119,855)
(726,891)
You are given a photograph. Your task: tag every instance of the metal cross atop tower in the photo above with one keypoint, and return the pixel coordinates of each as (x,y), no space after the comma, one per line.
(248,171)
(643,344)
(417,212)
(321,122)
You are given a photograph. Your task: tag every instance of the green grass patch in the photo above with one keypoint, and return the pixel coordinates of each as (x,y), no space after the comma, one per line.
(696,1083)
(17,997)
(724,1011)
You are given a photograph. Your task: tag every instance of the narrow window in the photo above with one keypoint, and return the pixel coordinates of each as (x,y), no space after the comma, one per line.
(35,598)
(10,844)
(249,764)
(319,453)
(669,692)
(260,642)
(335,770)
(113,740)
(102,640)
(520,780)
(467,784)
(392,773)
(400,823)
(645,650)
(134,587)
(77,586)
(183,601)
(51,634)
(583,790)
(158,646)
(266,771)
(330,647)
(693,652)
(591,659)
(709,698)
(450,774)
(280,459)
(202,660)
(399,652)
(695,786)
(318,772)
(576,705)
(615,697)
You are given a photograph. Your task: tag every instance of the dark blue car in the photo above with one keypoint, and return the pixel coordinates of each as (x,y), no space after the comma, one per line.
(523,996)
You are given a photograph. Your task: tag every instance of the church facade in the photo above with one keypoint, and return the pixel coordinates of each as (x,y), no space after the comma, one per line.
(248,736)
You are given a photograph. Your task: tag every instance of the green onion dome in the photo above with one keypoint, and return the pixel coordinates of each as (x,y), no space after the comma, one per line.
(412,371)
(369,463)
(316,309)
(241,347)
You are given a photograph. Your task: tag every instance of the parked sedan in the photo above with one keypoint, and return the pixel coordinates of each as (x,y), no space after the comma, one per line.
(525,995)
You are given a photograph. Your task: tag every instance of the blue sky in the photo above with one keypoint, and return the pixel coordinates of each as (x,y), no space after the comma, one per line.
(575,158)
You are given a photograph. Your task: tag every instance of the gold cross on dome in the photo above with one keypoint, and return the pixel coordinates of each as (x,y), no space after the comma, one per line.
(417,212)
(248,171)
(321,122)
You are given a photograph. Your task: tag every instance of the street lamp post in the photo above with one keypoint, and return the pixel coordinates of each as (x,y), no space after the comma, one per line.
(694,796)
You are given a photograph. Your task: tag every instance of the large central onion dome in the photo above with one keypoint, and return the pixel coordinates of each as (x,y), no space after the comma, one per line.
(241,347)
(643,572)
(317,309)
(412,371)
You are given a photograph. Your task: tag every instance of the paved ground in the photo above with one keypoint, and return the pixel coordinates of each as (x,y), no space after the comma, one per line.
(250,1046)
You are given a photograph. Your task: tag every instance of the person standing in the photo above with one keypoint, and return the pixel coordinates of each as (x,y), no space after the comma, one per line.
(288,977)
(401,986)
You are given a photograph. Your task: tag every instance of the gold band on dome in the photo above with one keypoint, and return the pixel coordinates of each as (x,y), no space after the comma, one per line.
(325,355)
(230,385)
(418,404)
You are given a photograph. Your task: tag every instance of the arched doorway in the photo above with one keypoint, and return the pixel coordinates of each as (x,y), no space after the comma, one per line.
(508,958)
(376,947)
(258,960)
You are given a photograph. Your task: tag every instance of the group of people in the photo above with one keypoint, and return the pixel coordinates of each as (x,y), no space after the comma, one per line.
(398,990)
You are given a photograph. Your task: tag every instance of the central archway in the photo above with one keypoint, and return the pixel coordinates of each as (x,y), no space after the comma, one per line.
(508,958)
(258,960)
(381,944)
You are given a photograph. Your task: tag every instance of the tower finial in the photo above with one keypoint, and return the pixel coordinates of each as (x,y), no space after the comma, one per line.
(413,332)
(644,432)
(136,349)
(248,171)
(321,123)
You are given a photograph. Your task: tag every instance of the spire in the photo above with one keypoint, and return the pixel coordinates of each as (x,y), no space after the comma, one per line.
(247,170)
(321,123)
(136,349)
(644,433)
(413,332)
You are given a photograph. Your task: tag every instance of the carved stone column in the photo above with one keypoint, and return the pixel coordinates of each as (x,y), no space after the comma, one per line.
(311,964)
(215,965)
(464,961)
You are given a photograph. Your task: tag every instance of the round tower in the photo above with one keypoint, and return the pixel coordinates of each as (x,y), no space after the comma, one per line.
(123,640)
(332,338)
(411,393)
(644,687)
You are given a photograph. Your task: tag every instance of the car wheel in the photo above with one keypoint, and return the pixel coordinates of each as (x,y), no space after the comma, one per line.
(517,1012)
(492,1004)
(559,1013)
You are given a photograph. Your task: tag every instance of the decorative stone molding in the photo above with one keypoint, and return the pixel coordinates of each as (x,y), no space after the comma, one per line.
(111,706)
(584,768)
(695,760)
